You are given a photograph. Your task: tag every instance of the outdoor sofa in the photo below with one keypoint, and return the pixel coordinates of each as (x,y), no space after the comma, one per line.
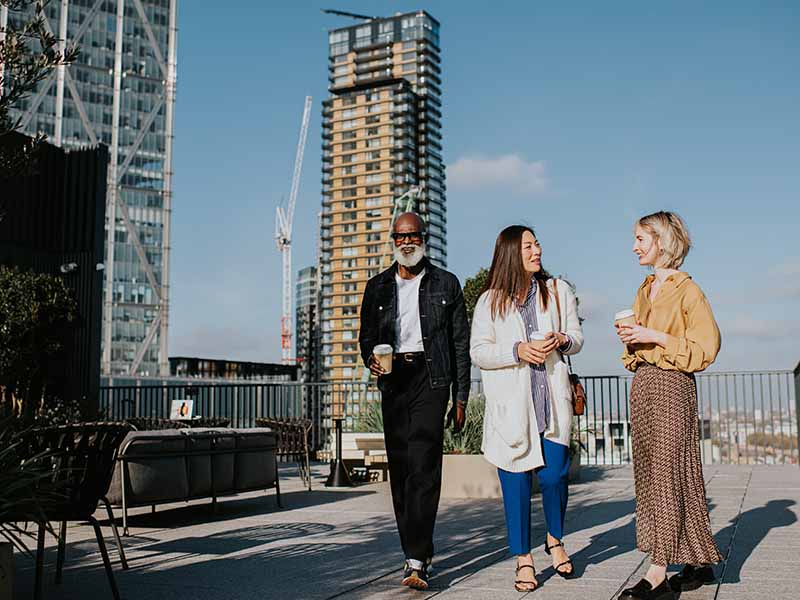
(173,465)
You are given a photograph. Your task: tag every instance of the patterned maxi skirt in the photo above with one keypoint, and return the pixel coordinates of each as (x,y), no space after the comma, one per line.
(672,523)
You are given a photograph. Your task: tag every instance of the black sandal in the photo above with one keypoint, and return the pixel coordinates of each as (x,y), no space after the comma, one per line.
(518,582)
(564,574)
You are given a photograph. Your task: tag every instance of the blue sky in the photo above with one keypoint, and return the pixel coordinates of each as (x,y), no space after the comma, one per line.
(572,117)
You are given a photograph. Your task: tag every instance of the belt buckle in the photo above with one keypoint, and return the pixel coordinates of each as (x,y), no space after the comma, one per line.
(408,357)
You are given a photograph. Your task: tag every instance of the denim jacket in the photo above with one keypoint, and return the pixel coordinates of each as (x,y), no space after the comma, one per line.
(443,321)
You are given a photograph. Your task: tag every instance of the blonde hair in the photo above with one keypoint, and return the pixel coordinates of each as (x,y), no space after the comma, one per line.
(669,230)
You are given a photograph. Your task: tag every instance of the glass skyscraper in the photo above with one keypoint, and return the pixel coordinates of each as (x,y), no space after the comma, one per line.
(120,92)
(307,324)
(381,137)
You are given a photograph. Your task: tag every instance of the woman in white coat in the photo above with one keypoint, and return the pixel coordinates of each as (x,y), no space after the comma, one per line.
(528,397)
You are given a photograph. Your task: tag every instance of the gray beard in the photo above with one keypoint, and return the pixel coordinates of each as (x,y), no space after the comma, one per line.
(409,260)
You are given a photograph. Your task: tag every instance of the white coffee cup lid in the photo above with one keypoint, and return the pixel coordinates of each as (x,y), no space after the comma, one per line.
(538,336)
(382,349)
(623,314)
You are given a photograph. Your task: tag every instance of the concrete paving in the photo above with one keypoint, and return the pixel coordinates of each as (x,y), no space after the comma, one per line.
(329,544)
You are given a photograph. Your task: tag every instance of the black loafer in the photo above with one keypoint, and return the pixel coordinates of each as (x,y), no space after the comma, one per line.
(692,577)
(644,591)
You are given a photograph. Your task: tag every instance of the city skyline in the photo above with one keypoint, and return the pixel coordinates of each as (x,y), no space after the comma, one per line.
(575,120)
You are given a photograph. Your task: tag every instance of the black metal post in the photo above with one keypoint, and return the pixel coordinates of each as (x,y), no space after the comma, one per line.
(339,477)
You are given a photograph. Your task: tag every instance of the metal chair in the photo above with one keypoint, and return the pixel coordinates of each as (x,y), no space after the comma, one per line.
(80,459)
(292,442)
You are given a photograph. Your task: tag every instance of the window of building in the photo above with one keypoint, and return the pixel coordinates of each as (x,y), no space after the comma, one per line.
(349,239)
(341,80)
(350,251)
(349,263)
(349,310)
(375,177)
(349,359)
(341,69)
(349,124)
(349,216)
(374,166)
(348,158)
(349,112)
(348,227)
(373,155)
(348,135)
(350,181)
(349,193)
(373,143)
(373,189)
(372,249)
(349,287)
(338,36)
(372,119)
(349,204)
(409,56)
(373,237)
(373,131)
(348,146)
(347,372)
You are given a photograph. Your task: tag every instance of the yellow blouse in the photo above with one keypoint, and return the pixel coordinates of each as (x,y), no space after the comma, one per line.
(682,311)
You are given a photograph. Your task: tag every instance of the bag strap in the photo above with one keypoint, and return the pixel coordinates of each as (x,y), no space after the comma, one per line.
(558,309)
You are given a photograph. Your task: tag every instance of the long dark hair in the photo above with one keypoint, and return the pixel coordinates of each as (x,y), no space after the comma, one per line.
(507,277)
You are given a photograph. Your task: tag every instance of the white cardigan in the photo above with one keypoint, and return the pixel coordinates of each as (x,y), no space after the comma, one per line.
(510,431)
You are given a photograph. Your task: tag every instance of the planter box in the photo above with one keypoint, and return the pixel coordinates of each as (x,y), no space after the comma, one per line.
(471,476)
(6,570)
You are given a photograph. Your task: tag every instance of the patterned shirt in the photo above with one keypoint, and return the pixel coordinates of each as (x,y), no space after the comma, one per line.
(540,389)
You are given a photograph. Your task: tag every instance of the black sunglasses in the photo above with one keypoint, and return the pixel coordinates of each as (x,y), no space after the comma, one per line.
(411,235)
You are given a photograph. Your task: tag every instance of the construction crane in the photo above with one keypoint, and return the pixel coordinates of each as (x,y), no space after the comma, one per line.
(283,238)
(341,13)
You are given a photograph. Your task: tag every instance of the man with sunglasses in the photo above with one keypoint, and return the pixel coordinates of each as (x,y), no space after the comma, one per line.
(418,309)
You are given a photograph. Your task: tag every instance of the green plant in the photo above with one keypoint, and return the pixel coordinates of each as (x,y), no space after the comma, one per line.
(469,439)
(473,287)
(26,488)
(36,312)
(371,419)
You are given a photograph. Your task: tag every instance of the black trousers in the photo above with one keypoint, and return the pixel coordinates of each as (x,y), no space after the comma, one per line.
(413,424)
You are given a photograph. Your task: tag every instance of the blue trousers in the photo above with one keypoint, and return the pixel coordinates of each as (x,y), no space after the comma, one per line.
(517,497)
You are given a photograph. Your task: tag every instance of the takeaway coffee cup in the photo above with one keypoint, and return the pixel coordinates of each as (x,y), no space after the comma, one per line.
(625,317)
(538,341)
(384,353)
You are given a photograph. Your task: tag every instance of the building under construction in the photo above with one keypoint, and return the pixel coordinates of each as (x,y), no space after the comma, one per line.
(119,92)
(381,139)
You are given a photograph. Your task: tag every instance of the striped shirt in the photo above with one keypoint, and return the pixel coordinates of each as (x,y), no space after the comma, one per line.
(540,389)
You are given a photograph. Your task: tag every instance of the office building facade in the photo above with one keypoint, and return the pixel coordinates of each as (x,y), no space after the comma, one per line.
(307,325)
(120,92)
(381,138)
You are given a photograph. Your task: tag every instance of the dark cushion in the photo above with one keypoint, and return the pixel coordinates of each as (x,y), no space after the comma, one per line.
(162,468)
(156,469)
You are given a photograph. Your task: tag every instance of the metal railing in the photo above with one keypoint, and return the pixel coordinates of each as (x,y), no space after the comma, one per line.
(744,417)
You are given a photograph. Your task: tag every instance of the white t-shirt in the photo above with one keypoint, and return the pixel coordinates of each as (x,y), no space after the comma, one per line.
(407,329)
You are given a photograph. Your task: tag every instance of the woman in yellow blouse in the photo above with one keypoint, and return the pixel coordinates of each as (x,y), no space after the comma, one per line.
(675,337)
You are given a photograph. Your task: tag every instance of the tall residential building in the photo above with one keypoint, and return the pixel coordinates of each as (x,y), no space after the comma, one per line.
(381,137)
(120,92)
(307,325)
